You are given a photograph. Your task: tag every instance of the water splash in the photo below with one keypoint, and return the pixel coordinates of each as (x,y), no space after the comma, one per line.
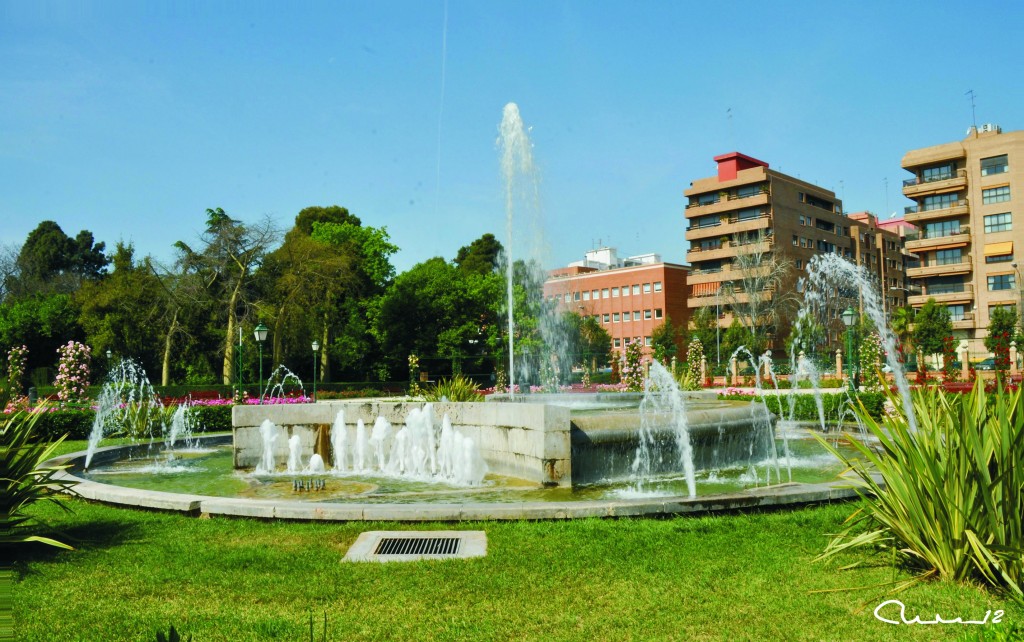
(127,405)
(663,400)
(278,384)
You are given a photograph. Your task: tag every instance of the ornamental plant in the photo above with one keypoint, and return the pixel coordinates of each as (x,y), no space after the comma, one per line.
(948,357)
(73,372)
(17,358)
(690,377)
(871,355)
(414,375)
(632,367)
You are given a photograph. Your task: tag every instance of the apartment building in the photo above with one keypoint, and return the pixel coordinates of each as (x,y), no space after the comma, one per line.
(746,209)
(966,196)
(629,297)
(878,246)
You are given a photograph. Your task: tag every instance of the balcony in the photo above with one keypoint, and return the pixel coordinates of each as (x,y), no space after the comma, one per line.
(915,214)
(735,295)
(914,187)
(698,276)
(729,225)
(964,296)
(727,203)
(728,249)
(924,243)
(966,323)
(941,269)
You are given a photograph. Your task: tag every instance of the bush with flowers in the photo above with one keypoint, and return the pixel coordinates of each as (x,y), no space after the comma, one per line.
(871,355)
(72,381)
(16,361)
(632,366)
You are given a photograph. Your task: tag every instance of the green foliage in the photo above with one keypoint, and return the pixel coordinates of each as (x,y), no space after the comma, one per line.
(835,405)
(632,366)
(75,423)
(23,478)
(212,418)
(457,388)
(172,636)
(665,341)
(589,344)
(932,326)
(481,256)
(951,493)
(51,261)
(702,326)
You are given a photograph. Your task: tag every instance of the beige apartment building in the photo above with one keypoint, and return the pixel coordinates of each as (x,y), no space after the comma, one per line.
(748,208)
(879,247)
(966,196)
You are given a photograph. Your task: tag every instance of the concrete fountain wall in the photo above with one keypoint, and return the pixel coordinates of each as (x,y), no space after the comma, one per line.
(523,440)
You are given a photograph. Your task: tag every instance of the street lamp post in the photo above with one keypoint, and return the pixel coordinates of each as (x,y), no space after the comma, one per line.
(316,349)
(849,317)
(260,332)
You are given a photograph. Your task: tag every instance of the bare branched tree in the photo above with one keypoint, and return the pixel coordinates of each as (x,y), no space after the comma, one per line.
(763,295)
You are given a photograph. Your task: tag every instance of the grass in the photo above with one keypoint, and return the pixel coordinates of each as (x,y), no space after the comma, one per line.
(727,577)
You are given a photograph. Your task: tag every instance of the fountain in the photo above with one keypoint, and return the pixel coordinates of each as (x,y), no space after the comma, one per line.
(127,405)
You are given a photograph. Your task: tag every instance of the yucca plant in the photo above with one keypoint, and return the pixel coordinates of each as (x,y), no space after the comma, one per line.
(458,388)
(24,480)
(948,496)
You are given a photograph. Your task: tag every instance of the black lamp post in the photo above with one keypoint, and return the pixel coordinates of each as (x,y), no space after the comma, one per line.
(316,349)
(849,317)
(260,332)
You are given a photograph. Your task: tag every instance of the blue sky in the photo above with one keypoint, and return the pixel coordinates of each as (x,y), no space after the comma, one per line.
(130,119)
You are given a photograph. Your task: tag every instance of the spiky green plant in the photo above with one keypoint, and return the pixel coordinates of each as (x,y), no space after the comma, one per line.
(457,388)
(947,497)
(24,480)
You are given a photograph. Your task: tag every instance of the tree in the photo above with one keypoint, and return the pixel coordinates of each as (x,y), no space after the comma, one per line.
(42,323)
(51,261)
(762,297)
(1002,325)
(703,327)
(589,344)
(899,323)
(232,251)
(481,256)
(932,326)
(665,341)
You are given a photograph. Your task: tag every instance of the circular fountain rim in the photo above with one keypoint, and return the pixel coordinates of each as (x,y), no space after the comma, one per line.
(781,495)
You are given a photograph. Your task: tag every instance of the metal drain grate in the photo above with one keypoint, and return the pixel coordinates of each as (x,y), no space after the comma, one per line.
(417,546)
(408,546)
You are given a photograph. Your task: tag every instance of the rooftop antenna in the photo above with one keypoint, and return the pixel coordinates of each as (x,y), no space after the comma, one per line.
(974,119)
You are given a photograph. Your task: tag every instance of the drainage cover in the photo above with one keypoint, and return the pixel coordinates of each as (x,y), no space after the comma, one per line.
(408,546)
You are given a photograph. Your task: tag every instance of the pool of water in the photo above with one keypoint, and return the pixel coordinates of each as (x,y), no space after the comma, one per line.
(210,472)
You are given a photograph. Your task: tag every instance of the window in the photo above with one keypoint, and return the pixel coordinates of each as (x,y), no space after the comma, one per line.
(657,286)
(749,213)
(944,285)
(799,264)
(615,317)
(750,190)
(998,223)
(658,313)
(586,296)
(618,343)
(604,293)
(615,292)
(636,315)
(956,312)
(939,202)
(626,341)
(567,295)
(575,296)
(1002,306)
(803,242)
(796,240)
(994,165)
(636,289)
(647,288)
(803,220)
(1000,282)
(625,290)
(647,315)
(647,341)
(999,258)
(606,318)
(593,294)
(708,199)
(995,195)
(940,173)
(941,228)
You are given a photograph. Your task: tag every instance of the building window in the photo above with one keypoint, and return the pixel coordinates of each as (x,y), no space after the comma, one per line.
(625,290)
(940,173)
(625,341)
(636,315)
(647,315)
(647,341)
(658,313)
(636,289)
(803,221)
(796,240)
(567,295)
(956,312)
(1000,282)
(799,264)
(995,195)
(615,317)
(1002,306)
(647,288)
(939,202)
(942,228)
(998,223)
(615,292)
(994,165)
(618,343)
(657,286)
(575,296)
(604,293)
(586,295)
(593,294)
(999,258)
(606,317)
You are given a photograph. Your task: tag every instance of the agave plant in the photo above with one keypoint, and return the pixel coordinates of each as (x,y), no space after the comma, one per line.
(458,388)
(948,497)
(24,480)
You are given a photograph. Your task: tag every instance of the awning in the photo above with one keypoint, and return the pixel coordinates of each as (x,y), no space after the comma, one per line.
(705,289)
(996,249)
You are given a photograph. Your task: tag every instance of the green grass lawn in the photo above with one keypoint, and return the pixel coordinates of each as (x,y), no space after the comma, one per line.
(729,577)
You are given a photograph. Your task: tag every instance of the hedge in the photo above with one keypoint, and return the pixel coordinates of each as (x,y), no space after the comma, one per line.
(77,424)
(806,409)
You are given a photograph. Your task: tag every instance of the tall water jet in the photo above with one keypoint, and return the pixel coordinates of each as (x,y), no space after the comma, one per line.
(663,401)
(268,435)
(339,440)
(127,404)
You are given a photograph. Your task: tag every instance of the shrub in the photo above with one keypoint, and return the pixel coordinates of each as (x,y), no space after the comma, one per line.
(805,407)
(458,388)
(53,424)
(23,478)
(951,493)
(212,418)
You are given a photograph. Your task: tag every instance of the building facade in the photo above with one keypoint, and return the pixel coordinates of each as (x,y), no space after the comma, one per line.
(878,246)
(966,196)
(628,297)
(748,209)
